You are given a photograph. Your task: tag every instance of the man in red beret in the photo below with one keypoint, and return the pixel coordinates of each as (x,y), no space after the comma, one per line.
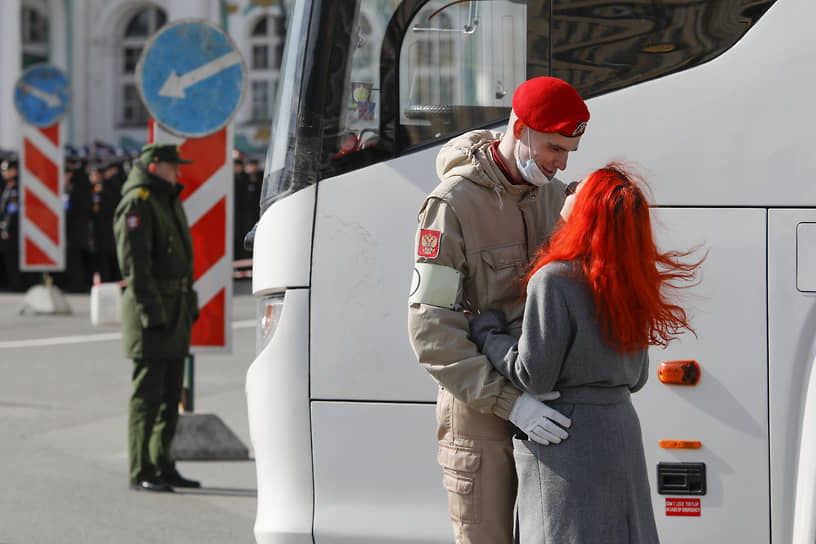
(497,202)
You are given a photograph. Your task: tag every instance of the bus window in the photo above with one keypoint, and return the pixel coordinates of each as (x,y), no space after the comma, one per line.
(459,65)
(369,80)
(359,127)
(461,61)
(602,46)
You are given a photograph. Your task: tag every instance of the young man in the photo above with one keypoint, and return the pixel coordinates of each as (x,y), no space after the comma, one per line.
(497,202)
(159,306)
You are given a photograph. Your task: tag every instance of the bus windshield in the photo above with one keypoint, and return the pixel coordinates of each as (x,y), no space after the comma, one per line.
(367,80)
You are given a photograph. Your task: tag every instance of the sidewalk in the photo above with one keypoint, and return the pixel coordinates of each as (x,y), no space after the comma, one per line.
(63,423)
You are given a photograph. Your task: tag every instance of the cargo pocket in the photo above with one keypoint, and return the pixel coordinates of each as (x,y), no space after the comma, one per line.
(506,266)
(460,472)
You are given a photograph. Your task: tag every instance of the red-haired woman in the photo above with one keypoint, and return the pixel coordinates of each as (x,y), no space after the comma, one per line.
(596,299)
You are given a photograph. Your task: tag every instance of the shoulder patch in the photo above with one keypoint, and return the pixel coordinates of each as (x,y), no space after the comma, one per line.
(143,193)
(132,220)
(429,241)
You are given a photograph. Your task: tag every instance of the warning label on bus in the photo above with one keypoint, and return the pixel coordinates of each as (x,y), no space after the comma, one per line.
(682,507)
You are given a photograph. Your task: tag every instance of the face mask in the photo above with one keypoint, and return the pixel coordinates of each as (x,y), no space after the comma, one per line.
(529,170)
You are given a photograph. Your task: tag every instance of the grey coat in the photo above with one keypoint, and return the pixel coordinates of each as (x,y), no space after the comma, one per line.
(561,345)
(592,487)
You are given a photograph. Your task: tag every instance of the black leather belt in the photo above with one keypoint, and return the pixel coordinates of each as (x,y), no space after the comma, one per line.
(180,284)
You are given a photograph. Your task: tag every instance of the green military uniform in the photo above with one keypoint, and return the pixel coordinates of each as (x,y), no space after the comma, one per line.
(155,254)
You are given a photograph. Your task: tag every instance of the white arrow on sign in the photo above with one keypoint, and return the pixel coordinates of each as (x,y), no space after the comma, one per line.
(52,100)
(175,84)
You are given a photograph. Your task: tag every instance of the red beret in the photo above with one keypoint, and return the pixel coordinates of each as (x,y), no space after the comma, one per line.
(549,104)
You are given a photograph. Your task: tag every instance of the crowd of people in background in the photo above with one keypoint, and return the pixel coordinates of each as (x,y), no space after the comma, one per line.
(91,192)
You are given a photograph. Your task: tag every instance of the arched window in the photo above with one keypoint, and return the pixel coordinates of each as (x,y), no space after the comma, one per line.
(136,31)
(266,50)
(34,36)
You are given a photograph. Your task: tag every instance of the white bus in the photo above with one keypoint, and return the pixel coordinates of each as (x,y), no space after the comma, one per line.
(711,99)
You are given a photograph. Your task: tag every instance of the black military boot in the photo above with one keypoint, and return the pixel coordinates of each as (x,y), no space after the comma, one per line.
(156,485)
(177,480)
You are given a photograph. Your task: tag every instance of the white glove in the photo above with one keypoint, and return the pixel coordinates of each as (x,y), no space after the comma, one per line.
(539,420)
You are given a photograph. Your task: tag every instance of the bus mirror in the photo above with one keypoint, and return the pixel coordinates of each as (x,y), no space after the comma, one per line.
(249,238)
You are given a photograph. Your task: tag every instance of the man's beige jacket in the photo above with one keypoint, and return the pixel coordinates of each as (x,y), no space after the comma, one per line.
(489,229)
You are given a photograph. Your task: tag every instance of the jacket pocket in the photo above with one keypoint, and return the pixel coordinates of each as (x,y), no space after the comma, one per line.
(460,470)
(505,268)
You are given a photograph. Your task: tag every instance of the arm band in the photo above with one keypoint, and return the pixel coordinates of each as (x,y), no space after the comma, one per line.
(435,285)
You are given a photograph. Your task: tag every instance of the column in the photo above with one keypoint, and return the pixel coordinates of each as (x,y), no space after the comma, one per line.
(10,70)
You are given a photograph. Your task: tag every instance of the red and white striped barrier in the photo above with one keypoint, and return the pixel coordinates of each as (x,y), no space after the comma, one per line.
(208,203)
(242,268)
(42,212)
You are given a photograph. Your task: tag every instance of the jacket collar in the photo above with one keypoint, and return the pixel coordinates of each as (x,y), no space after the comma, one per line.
(142,177)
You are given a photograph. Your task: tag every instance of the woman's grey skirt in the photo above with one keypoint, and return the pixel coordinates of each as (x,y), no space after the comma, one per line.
(592,487)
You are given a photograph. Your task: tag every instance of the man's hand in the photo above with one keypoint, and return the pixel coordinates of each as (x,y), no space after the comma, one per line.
(539,420)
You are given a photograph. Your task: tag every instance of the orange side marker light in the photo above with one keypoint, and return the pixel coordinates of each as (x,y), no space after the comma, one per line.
(680,444)
(685,372)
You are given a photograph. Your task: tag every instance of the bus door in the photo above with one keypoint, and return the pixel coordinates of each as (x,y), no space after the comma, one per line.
(792,389)
(707,444)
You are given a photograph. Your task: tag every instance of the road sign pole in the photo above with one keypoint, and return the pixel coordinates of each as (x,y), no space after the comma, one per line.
(208,203)
(41,97)
(191,78)
(42,212)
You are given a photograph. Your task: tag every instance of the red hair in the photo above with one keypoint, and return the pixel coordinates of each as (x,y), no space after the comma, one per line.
(609,233)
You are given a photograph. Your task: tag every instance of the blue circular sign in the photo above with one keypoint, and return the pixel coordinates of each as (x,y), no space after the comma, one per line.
(191,78)
(41,95)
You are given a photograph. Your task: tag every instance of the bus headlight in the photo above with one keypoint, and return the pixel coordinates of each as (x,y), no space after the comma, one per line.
(268,313)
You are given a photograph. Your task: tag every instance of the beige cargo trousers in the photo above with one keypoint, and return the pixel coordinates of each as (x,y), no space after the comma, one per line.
(476,455)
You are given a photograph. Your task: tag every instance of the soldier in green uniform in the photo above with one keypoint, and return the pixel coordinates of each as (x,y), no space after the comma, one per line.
(155,253)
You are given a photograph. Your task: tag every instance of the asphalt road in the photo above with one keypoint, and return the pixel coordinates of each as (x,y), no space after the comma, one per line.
(64,388)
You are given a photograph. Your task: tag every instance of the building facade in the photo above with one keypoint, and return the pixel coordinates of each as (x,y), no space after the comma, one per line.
(97,43)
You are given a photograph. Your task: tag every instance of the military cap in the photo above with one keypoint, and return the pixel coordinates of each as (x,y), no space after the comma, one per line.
(71,154)
(549,104)
(9,160)
(153,153)
(116,161)
(99,163)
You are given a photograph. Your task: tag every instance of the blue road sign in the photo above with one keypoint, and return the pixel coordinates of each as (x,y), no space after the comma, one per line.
(191,77)
(42,95)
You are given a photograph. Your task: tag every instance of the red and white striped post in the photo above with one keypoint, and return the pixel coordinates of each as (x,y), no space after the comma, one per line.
(208,203)
(42,211)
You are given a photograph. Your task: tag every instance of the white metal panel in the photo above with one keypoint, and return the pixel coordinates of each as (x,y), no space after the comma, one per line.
(277,388)
(726,132)
(791,351)
(283,243)
(362,270)
(376,476)
(727,410)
